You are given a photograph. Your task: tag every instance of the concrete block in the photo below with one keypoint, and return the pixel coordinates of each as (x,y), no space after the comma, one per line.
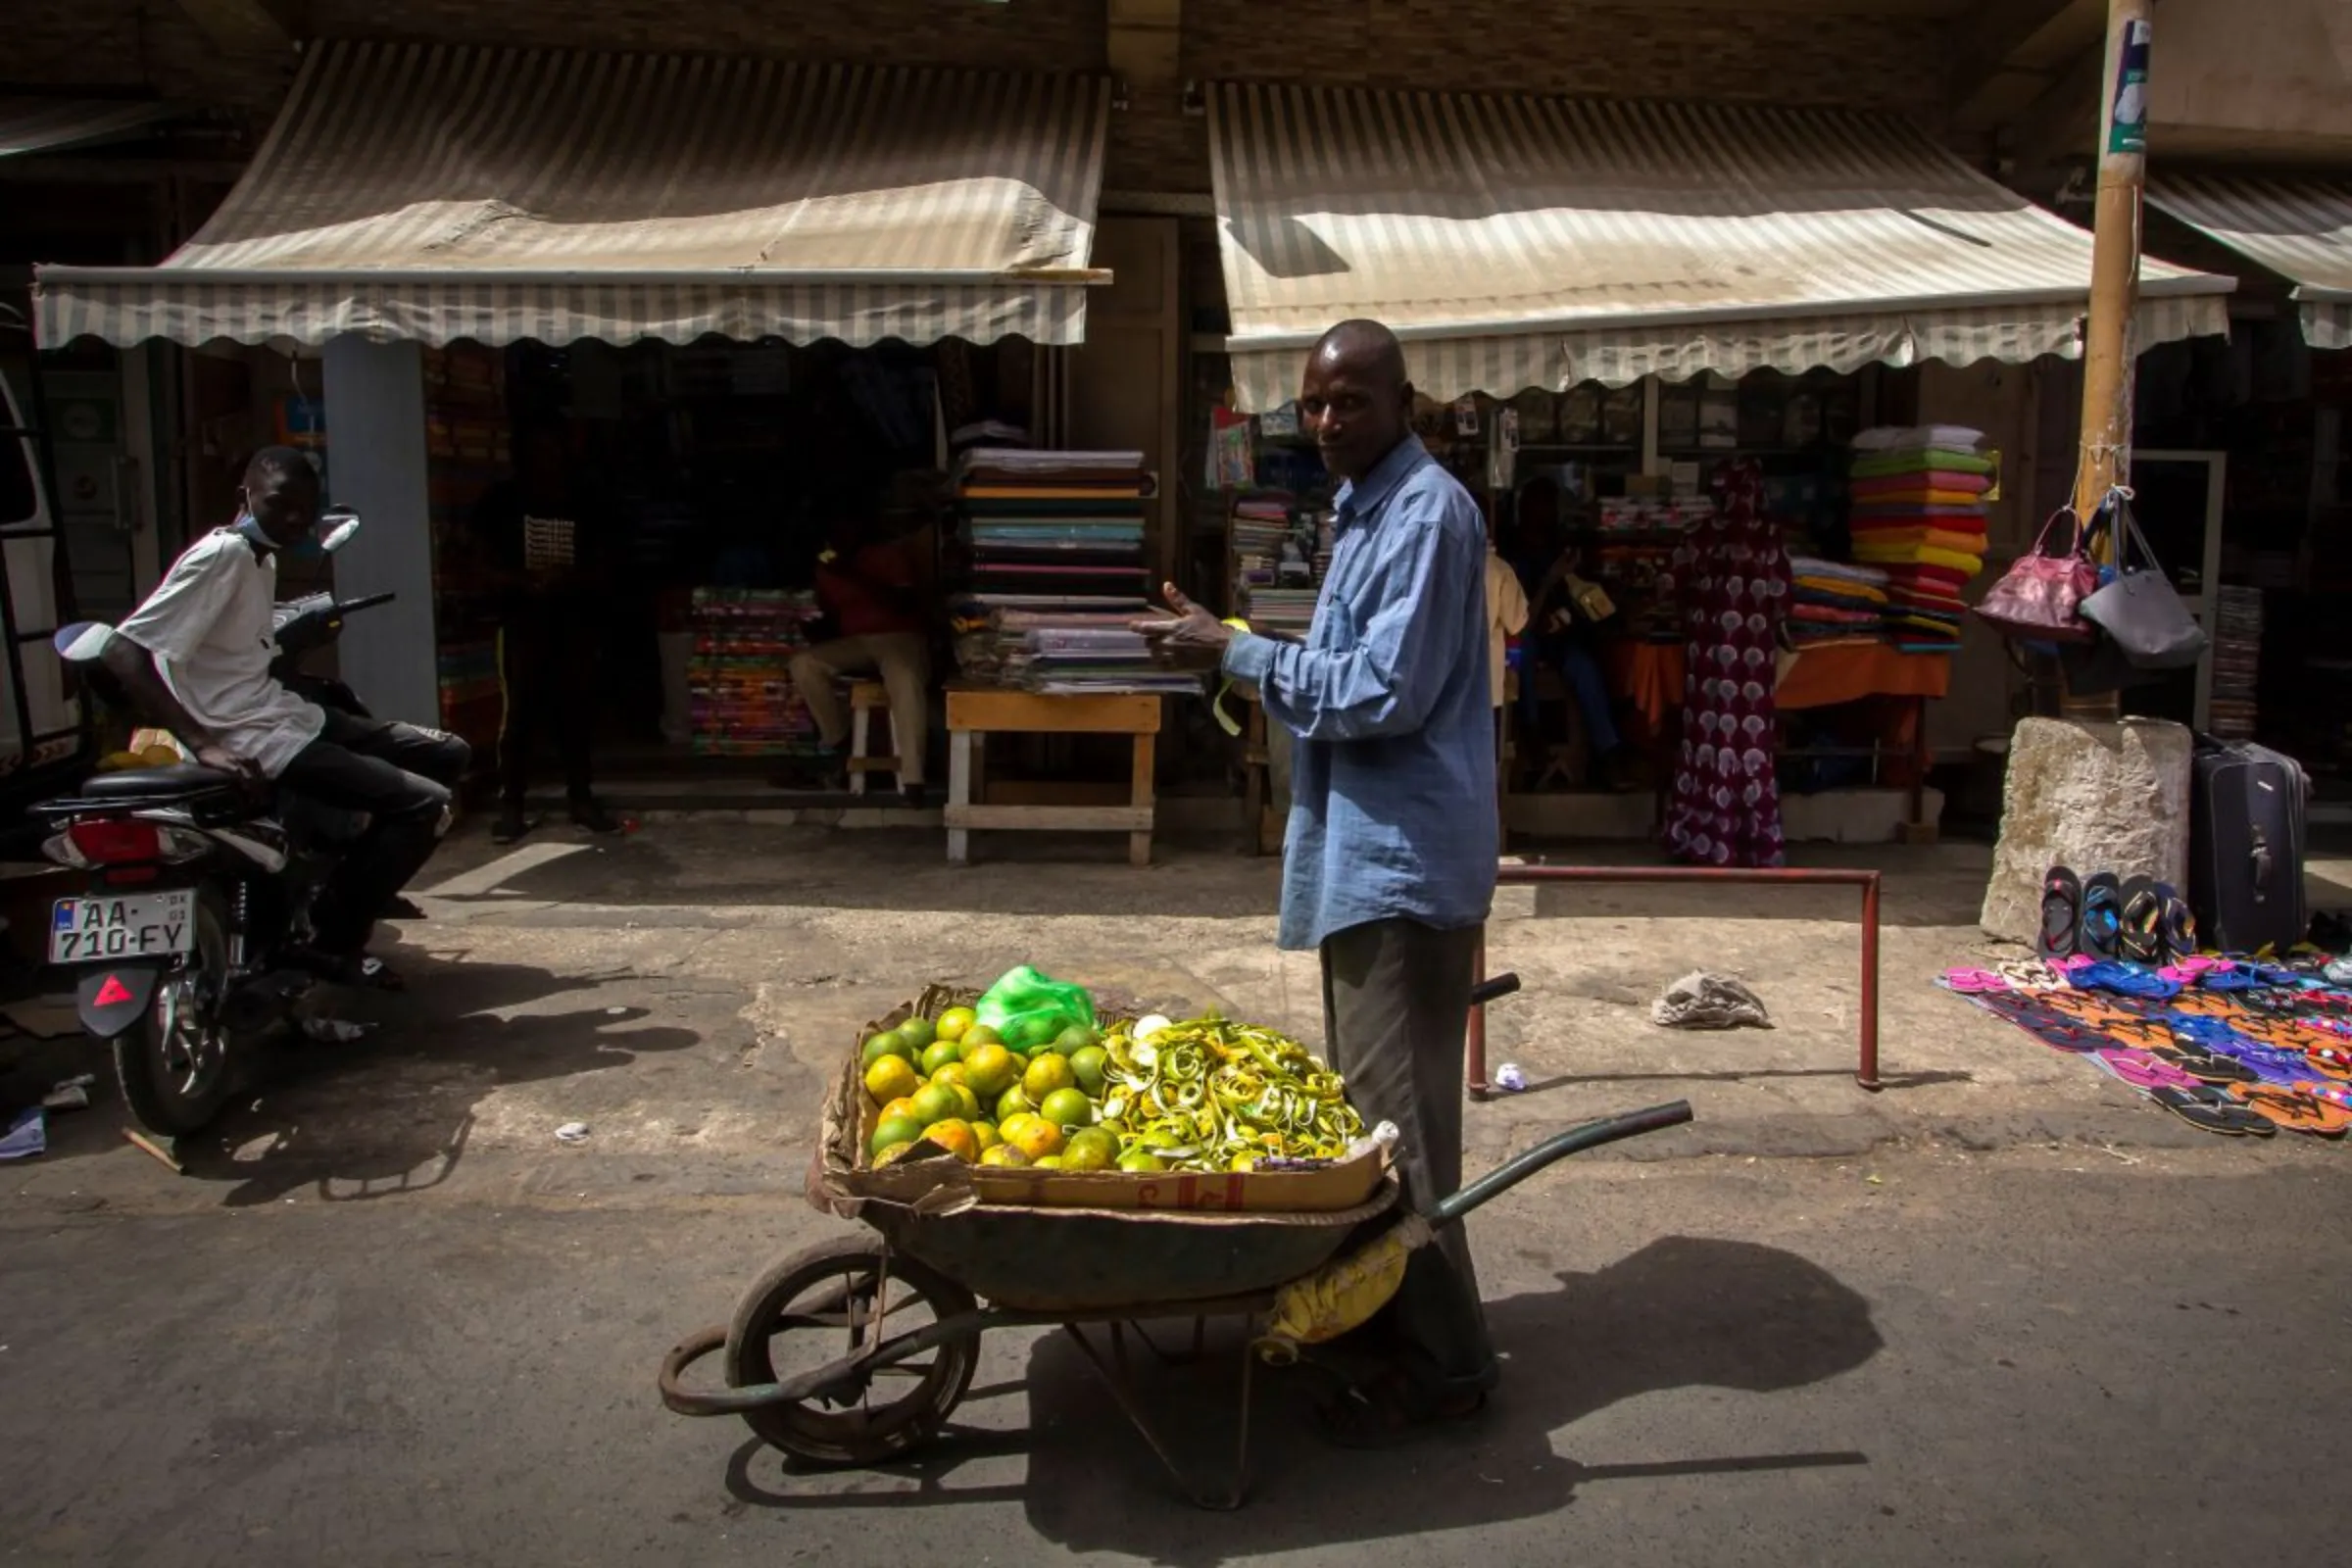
(2092,796)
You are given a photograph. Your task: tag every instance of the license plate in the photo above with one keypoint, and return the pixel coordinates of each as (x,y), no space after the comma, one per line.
(149,925)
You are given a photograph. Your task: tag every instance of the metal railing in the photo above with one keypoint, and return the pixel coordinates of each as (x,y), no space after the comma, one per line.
(1866,1070)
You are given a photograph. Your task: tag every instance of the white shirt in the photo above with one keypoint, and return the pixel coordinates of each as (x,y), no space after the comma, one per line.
(1506,613)
(208,625)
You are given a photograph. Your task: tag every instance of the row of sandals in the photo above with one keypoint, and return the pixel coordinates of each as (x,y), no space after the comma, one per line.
(2103,916)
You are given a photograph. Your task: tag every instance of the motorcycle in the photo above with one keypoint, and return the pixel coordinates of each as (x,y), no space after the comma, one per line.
(190,933)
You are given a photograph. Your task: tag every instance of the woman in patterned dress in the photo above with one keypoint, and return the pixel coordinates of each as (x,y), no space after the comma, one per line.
(1733,578)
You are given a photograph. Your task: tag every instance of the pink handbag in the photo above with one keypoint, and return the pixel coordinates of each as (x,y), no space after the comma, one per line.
(2039,598)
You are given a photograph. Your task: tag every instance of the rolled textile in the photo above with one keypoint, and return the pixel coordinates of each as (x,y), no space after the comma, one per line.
(1959,542)
(1966,566)
(1935,482)
(1904,438)
(1824,614)
(1815,566)
(1919,460)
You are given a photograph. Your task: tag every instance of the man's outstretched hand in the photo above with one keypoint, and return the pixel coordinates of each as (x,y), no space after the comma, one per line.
(1191,639)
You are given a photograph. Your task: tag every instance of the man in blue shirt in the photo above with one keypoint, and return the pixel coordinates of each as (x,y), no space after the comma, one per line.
(1388,869)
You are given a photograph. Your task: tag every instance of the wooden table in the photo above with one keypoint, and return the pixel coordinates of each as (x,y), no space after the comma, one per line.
(976,713)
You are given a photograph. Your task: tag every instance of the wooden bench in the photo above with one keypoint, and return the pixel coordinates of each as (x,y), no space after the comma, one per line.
(976,713)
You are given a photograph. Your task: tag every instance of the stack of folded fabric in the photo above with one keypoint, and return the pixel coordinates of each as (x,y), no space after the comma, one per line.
(1834,602)
(1918,514)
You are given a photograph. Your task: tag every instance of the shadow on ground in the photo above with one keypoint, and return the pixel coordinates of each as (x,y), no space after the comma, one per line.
(1682,1313)
(393,1113)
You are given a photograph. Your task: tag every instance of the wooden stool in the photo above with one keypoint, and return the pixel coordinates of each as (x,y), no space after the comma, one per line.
(867,696)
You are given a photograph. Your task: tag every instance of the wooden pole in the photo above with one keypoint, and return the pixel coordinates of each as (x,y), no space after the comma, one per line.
(2107,357)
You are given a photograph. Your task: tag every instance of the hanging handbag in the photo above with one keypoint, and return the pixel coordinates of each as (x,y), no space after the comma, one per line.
(2040,598)
(1591,599)
(2139,609)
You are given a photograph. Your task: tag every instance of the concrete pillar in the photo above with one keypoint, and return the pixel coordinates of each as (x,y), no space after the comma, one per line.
(2093,798)
(376,466)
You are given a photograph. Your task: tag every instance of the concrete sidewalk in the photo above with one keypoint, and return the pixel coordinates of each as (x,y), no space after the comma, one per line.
(686,991)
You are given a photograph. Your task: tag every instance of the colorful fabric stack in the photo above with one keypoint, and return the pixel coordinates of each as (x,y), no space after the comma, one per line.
(743,700)
(1918,514)
(1059,531)
(1834,604)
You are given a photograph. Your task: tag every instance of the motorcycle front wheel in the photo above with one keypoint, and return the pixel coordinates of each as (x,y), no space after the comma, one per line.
(174,1063)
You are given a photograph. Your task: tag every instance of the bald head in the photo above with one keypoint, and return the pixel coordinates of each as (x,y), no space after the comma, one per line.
(1354,398)
(1366,347)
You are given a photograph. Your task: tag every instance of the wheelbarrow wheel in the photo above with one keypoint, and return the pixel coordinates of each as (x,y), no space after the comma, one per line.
(822,1304)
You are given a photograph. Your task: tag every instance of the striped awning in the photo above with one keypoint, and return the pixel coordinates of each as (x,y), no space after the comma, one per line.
(2299,226)
(30,124)
(1531,242)
(433,194)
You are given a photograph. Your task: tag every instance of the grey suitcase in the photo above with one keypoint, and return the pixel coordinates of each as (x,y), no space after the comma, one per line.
(2246,846)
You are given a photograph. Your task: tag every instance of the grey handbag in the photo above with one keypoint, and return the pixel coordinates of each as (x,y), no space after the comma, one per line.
(2139,609)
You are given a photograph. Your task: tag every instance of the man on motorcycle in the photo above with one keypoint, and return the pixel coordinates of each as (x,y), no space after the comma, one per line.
(195,656)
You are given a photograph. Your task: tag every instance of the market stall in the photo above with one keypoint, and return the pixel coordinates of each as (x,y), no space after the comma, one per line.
(749,345)
(1046,646)
(1597,383)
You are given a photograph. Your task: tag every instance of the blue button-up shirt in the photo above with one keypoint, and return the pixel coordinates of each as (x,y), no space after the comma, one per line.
(1392,781)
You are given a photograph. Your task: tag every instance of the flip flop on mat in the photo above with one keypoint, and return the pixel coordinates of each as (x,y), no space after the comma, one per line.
(2139,931)
(2061,913)
(2180,926)
(2211,1110)
(2101,932)
(2294,1113)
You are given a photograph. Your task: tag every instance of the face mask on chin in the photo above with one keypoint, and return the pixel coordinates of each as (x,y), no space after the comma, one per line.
(249,527)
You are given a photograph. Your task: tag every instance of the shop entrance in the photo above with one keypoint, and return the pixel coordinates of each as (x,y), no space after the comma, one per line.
(640,540)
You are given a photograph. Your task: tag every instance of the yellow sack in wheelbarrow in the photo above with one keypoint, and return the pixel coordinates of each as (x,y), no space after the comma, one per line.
(1341,1296)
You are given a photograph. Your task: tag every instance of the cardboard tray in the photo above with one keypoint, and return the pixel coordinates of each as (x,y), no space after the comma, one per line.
(841,1182)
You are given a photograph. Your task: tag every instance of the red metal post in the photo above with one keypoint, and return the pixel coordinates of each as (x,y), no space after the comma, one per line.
(1474,1037)
(1866,1072)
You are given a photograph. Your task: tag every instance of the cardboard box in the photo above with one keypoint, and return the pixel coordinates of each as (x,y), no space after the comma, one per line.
(842,1181)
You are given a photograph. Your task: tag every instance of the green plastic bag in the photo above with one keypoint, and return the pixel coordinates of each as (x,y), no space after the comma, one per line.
(1028,1009)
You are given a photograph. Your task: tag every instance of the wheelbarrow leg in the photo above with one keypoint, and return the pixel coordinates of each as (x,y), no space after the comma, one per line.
(1176,1358)
(1115,1379)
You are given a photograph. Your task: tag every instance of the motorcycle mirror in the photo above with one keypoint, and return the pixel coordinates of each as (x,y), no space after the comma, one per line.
(336,525)
(82,642)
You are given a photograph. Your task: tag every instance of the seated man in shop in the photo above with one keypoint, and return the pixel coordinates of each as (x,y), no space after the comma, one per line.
(869,584)
(1389,869)
(195,658)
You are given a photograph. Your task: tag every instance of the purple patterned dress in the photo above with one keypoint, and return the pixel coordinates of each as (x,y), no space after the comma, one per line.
(1733,578)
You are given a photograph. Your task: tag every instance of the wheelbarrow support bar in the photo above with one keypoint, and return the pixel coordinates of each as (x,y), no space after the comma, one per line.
(1575,1141)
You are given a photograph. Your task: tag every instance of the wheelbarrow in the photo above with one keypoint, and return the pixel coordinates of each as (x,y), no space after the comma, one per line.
(893,1320)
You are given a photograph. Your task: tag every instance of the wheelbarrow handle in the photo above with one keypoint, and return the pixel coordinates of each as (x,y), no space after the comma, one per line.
(1494,989)
(1575,1141)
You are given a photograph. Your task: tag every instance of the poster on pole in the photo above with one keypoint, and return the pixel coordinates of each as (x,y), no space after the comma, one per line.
(2128,121)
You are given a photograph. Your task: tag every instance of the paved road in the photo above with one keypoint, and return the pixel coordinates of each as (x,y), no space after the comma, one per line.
(2026,1358)
(387,1319)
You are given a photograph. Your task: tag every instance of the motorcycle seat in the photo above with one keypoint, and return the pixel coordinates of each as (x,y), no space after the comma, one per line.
(179,780)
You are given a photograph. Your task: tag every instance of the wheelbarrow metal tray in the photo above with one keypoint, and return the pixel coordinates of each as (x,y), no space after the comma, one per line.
(1059,1259)
(842,1178)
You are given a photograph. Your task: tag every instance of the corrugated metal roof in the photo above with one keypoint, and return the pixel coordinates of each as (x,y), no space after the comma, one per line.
(36,124)
(431,192)
(1517,241)
(2299,226)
